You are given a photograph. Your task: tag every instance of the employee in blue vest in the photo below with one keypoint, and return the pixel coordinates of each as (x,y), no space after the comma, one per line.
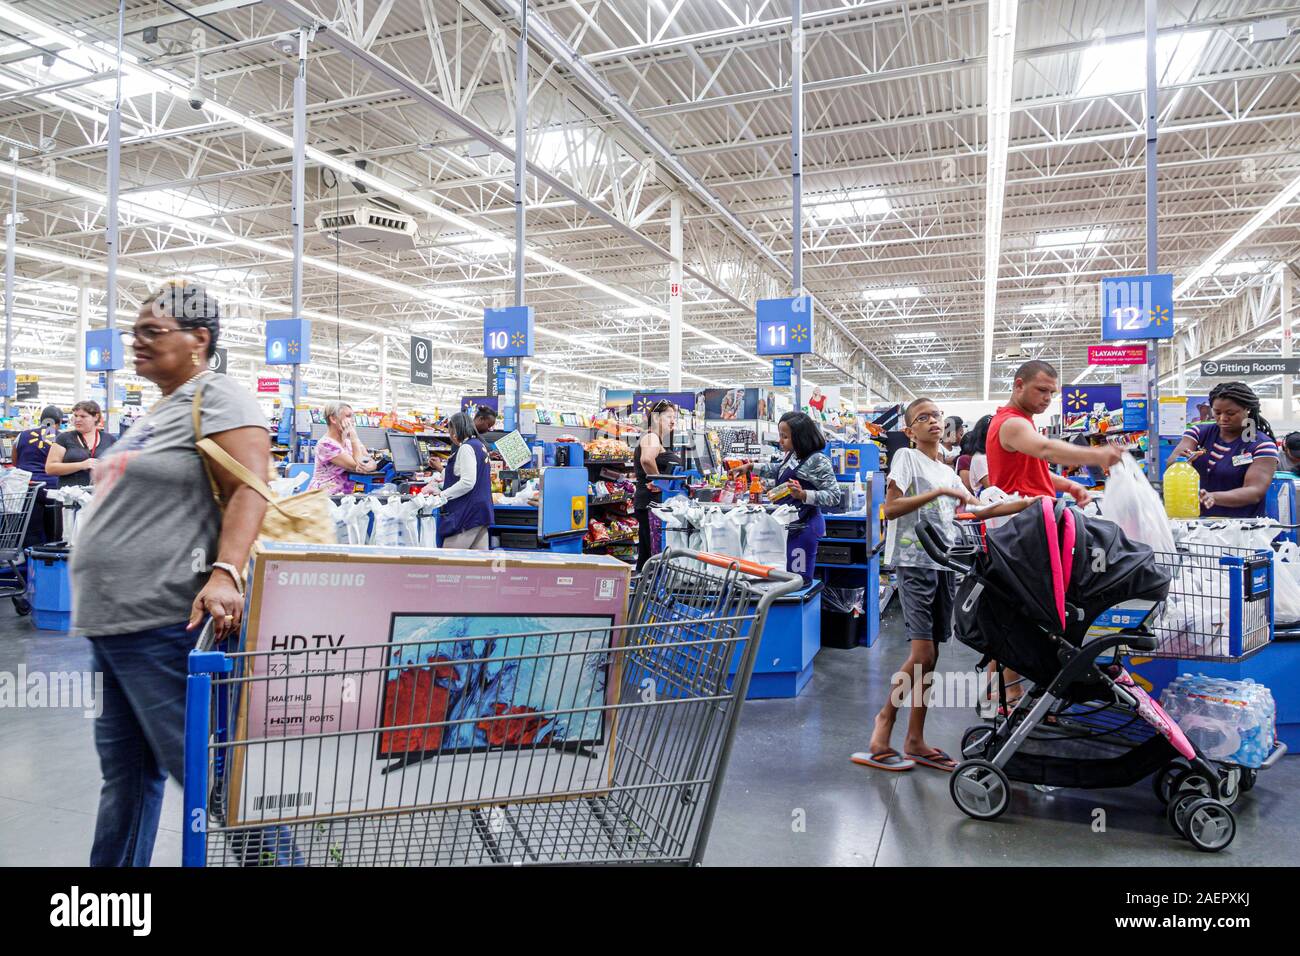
(31,449)
(466,509)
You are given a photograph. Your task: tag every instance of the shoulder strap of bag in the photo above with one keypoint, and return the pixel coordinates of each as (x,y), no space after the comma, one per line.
(209,449)
(195,405)
(223,458)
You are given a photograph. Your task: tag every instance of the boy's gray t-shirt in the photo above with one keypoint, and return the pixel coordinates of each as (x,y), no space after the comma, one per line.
(144,545)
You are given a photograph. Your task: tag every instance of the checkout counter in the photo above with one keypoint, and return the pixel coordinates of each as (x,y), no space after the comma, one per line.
(558,522)
(850,553)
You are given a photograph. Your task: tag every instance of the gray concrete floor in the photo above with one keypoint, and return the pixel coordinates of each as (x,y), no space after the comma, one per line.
(791,796)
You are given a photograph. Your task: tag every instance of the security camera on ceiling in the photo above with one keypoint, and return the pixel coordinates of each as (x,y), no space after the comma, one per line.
(197,96)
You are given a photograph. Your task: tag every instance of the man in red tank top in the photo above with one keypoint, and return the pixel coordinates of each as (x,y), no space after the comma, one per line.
(1018,454)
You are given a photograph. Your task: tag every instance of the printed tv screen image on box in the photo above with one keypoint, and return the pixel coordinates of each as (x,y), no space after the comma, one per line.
(454,680)
(468,688)
(465,710)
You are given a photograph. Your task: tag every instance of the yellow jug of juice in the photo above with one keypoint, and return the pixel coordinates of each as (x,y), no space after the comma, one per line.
(1182,489)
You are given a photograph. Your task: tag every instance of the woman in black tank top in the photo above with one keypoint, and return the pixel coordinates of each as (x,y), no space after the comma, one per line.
(652,457)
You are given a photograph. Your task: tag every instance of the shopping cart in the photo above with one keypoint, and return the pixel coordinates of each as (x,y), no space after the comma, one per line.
(648,709)
(1220,604)
(15,514)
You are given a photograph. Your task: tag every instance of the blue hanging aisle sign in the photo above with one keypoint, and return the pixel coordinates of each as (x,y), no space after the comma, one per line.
(781,371)
(1137,307)
(508,333)
(784,326)
(104,350)
(288,342)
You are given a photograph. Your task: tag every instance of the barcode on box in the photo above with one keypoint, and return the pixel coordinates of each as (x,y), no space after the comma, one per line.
(282,801)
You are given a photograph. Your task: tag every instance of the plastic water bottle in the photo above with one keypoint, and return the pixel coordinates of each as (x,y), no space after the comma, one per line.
(859,494)
(1182,487)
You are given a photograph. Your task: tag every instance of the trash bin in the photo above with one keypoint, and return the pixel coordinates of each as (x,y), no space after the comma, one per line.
(47,587)
(843,616)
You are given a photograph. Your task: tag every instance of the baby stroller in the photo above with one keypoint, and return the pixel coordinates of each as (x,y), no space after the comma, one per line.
(1048,594)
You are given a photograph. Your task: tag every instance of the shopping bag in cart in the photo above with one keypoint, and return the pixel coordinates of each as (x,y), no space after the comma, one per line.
(13,489)
(765,534)
(723,535)
(1286,583)
(1133,504)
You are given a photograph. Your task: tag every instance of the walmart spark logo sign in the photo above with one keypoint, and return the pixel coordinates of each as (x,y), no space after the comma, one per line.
(784,326)
(288,342)
(1137,307)
(1075,399)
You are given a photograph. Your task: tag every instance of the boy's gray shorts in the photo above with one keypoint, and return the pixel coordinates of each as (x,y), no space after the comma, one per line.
(927,598)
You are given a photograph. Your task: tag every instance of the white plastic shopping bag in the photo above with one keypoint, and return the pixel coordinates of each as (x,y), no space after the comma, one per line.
(765,535)
(1286,583)
(284,487)
(993,495)
(1133,504)
(722,535)
(13,489)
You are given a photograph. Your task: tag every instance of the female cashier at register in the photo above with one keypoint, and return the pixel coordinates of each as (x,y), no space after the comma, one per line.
(1235,454)
(812,484)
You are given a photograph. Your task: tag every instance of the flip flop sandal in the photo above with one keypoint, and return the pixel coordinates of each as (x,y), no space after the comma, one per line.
(883,760)
(936,759)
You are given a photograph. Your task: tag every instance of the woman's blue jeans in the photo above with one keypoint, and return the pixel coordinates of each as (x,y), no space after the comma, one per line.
(140,737)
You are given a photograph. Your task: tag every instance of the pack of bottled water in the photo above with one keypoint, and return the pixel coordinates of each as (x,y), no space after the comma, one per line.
(1230,721)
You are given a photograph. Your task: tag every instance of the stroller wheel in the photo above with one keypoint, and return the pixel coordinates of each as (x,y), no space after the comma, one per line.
(975,741)
(980,789)
(1193,781)
(22,606)
(1230,786)
(1248,777)
(1177,811)
(1163,781)
(1209,825)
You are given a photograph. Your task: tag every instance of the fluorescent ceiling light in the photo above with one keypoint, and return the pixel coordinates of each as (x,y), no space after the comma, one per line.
(75,64)
(1040,308)
(1242,268)
(856,204)
(173,202)
(178,87)
(484,248)
(1031,345)
(897,292)
(135,208)
(559,148)
(1069,238)
(1001,64)
(1108,68)
(1210,265)
(907,336)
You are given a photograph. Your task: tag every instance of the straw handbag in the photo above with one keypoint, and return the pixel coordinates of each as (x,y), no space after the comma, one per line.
(303,518)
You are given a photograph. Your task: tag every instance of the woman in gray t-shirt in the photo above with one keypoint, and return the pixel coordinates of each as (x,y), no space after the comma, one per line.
(154,554)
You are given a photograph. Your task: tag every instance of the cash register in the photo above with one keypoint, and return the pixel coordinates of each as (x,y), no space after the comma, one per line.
(406,456)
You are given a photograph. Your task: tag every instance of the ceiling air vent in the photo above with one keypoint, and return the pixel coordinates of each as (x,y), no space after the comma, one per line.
(370,227)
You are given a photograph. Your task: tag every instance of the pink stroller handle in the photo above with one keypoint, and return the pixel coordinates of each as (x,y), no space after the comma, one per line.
(1151,711)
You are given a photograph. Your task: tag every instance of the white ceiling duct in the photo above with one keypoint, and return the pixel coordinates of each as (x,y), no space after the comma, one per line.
(370,227)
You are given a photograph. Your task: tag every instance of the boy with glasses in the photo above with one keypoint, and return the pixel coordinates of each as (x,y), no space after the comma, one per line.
(922,487)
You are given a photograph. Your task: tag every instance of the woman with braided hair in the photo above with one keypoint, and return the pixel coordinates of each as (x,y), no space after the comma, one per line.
(1236,454)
